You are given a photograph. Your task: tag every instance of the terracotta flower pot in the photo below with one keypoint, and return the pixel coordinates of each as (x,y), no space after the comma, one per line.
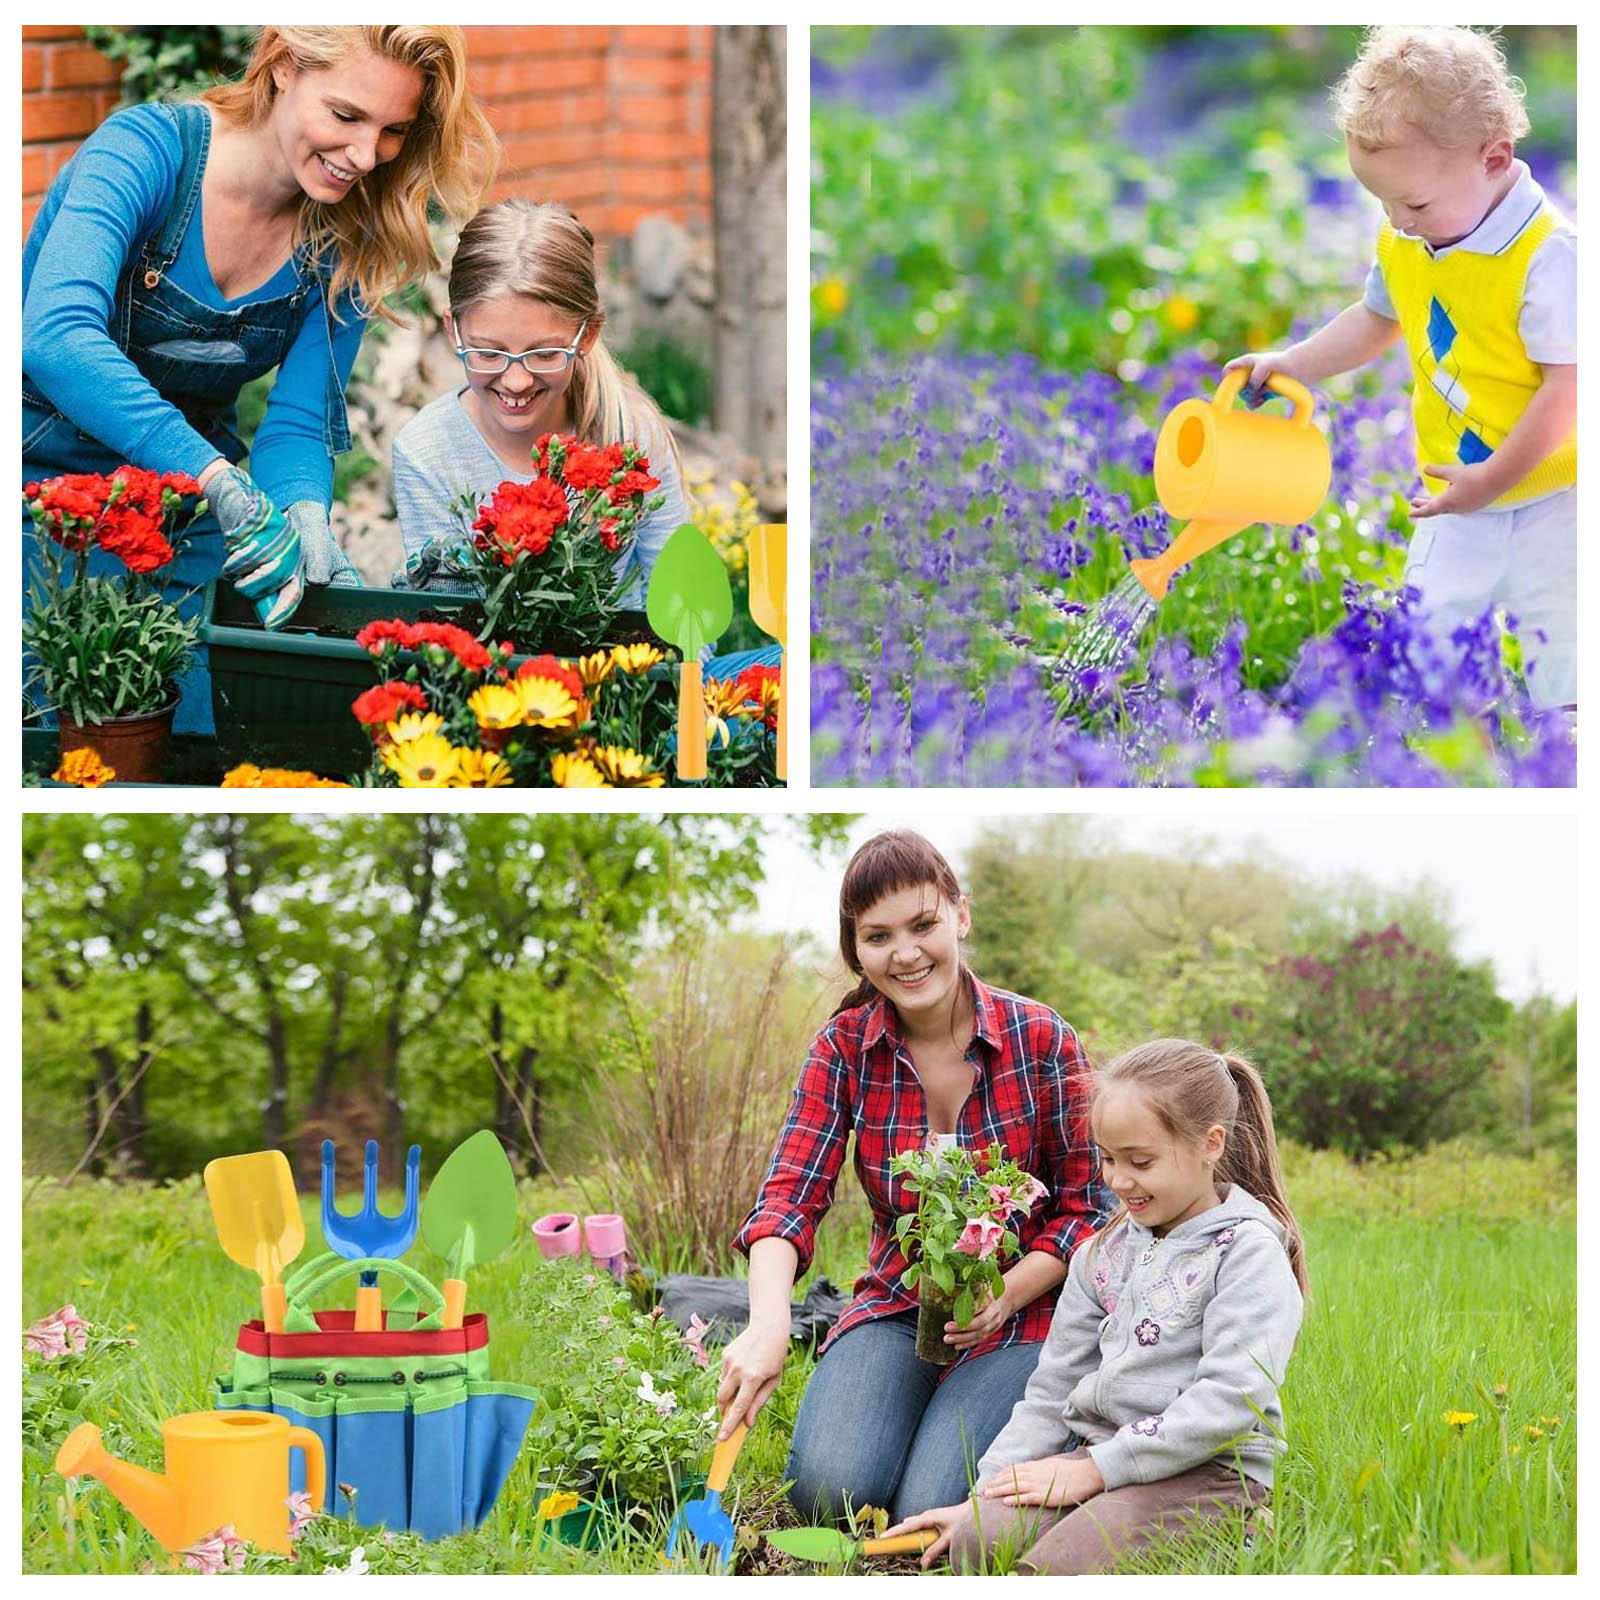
(135,748)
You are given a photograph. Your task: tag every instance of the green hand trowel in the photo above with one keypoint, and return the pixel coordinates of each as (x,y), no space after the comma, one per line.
(469,1214)
(690,604)
(834,1547)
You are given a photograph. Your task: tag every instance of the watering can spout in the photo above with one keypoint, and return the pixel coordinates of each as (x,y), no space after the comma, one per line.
(1203,534)
(150,1496)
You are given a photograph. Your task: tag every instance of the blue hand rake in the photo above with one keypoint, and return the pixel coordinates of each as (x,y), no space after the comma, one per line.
(704,1520)
(369,1232)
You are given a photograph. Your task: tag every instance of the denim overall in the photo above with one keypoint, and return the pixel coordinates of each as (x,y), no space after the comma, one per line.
(198,358)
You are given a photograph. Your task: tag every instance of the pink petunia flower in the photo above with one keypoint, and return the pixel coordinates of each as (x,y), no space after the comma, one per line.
(980,1238)
(1030,1194)
(695,1338)
(300,1512)
(62,1331)
(1000,1196)
(223,1549)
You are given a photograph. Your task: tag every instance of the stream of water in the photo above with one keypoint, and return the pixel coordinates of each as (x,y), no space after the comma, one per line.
(1109,632)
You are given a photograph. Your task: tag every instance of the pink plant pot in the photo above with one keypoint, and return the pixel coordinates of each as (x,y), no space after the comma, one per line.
(604,1237)
(557,1234)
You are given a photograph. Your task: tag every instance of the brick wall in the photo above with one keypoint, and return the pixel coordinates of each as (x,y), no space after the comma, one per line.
(614,122)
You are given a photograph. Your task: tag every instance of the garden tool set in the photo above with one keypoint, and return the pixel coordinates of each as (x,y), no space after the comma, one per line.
(395,1407)
(689,604)
(769,610)
(1220,469)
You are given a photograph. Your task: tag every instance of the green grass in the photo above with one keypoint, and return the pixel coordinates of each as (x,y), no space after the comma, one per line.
(1446,1283)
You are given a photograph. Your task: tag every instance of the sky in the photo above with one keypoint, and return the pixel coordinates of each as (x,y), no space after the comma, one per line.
(1510,880)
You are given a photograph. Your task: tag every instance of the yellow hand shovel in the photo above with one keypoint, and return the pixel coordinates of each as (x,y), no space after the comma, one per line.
(769,609)
(1221,469)
(259,1225)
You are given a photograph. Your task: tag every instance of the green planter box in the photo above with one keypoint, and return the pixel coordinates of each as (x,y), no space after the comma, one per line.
(283,699)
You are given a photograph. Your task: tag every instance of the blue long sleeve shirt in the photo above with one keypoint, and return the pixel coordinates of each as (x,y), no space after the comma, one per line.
(114,195)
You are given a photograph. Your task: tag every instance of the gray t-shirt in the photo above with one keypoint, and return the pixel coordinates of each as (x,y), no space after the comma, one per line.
(439,455)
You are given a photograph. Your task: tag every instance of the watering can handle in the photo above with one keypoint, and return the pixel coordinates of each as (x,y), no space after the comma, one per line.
(1232,386)
(322,1270)
(310,1446)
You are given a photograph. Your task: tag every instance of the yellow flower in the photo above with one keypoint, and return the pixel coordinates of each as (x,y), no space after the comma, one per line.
(249,776)
(833,295)
(429,762)
(1535,1432)
(557,1505)
(625,769)
(414,725)
(496,705)
(1182,313)
(636,657)
(595,669)
(83,768)
(726,698)
(1551,1422)
(717,732)
(1460,1419)
(480,769)
(575,771)
(546,703)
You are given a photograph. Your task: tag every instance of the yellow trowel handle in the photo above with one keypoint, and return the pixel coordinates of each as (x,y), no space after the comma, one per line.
(274,1302)
(723,1458)
(691,720)
(369,1309)
(902,1543)
(1296,393)
(455,1301)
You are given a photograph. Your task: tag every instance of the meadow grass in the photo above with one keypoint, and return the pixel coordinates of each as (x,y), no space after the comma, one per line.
(1441,1284)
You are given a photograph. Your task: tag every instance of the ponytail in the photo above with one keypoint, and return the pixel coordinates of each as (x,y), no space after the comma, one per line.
(1250,1159)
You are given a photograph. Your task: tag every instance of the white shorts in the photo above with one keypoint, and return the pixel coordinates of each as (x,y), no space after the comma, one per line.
(1524,558)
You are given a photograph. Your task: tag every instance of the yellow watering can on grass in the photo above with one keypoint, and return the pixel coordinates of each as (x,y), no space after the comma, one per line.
(1221,469)
(222,1467)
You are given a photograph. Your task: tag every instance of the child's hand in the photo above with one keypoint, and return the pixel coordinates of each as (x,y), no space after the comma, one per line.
(1051,1481)
(945,1518)
(1262,365)
(1465,490)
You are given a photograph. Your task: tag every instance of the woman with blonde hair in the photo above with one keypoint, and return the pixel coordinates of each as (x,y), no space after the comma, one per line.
(526,320)
(187,249)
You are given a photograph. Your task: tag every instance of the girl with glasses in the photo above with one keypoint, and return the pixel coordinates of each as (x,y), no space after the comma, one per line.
(526,320)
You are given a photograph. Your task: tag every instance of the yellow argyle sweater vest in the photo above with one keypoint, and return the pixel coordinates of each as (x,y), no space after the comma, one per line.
(1472,378)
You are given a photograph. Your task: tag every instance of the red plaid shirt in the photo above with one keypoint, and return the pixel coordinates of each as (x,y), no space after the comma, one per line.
(1030,1094)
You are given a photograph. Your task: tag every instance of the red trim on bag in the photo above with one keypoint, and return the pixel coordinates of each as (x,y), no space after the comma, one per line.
(336,1336)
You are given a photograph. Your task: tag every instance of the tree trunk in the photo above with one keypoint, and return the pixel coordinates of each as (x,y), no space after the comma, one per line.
(91,1124)
(530,1135)
(275,1114)
(749,145)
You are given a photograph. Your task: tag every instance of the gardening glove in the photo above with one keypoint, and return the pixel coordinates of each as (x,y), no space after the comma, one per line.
(263,561)
(325,561)
(441,563)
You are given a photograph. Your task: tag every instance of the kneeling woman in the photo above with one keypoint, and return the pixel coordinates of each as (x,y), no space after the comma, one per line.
(919,1053)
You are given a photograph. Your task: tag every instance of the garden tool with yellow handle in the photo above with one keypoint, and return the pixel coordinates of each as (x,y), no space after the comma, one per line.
(704,1520)
(369,1232)
(258,1221)
(769,609)
(689,604)
(1220,469)
(834,1547)
(470,1214)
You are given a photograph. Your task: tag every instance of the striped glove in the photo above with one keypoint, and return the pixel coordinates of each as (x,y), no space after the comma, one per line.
(263,561)
(325,561)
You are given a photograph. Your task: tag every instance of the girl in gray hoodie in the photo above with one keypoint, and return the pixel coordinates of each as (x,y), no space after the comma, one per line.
(1155,1401)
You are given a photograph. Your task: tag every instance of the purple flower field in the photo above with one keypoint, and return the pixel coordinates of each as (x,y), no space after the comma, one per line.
(969,511)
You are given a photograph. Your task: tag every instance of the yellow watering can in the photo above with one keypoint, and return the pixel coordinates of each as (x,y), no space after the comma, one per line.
(222,1467)
(1221,469)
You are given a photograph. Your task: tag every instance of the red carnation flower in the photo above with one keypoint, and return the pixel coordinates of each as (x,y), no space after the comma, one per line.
(635,481)
(547,666)
(376,637)
(523,516)
(592,466)
(381,705)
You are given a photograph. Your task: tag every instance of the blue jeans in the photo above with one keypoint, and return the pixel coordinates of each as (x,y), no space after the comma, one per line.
(876,1427)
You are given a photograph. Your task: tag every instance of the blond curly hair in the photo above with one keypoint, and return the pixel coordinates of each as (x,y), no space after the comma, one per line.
(1450,84)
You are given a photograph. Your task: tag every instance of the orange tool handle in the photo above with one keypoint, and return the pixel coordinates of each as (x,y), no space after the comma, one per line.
(691,721)
(369,1310)
(783,717)
(316,1464)
(901,1544)
(455,1301)
(723,1457)
(274,1303)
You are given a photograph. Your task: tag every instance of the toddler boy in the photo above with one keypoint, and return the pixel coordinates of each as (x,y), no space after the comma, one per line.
(1478,273)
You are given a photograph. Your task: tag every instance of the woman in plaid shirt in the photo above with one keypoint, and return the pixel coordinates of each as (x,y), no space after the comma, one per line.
(919,1052)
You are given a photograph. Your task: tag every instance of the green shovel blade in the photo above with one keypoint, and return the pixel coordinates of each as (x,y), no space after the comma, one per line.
(689,602)
(469,1214)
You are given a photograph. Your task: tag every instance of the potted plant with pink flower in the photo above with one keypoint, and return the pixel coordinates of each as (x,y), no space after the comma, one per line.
(960,1234)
